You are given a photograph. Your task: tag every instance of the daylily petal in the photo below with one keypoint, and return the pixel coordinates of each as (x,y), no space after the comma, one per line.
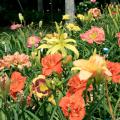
(85,75)
(82,64)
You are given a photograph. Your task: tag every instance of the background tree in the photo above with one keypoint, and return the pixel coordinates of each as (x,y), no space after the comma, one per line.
(70,9)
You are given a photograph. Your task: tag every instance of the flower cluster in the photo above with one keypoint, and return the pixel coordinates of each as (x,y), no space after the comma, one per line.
(17,59)
(73,105)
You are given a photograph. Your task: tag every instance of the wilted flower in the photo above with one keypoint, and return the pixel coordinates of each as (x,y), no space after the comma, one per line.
(72,27)
(66,17)
(51,63)
(15,26)
(4,85)
(94,67)
(33,41)
(95,34)
(17,84)
(2,64)
(118,36)
(95,12)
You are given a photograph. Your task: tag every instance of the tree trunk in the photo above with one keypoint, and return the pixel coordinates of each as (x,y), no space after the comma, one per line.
(70,9)
(40,5)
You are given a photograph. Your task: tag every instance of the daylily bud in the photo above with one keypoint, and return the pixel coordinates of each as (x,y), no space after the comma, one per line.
(21,18)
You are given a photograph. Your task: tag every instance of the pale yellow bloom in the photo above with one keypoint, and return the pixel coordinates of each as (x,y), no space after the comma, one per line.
(94,67)
(81,17)
(66,17)
(52,100)
(72,27)
(59,43)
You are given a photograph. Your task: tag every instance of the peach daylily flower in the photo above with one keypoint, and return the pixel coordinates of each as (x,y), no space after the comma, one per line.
(95,34)
(94,67)
(33,41)
(95,12)
(17,59)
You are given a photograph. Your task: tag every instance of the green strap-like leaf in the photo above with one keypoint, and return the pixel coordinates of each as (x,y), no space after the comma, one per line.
(32,115)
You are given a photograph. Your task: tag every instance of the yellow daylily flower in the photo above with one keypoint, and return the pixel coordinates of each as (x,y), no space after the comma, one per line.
(66,17)
(81,17)
(52,100)
(72,27)
(94,67)
(59,43)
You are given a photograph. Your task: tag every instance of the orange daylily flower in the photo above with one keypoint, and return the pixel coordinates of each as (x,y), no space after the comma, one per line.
(73,106)
(94,67)
(17,84)
(51,63)
(115,70)
(75,84)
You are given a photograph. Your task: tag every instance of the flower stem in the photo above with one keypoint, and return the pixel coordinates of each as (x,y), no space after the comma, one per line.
(108,101)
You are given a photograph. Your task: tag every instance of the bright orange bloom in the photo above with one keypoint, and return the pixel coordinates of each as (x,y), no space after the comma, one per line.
(51,63)
(73,106)
(115,70)
(17,84)
(76,84)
